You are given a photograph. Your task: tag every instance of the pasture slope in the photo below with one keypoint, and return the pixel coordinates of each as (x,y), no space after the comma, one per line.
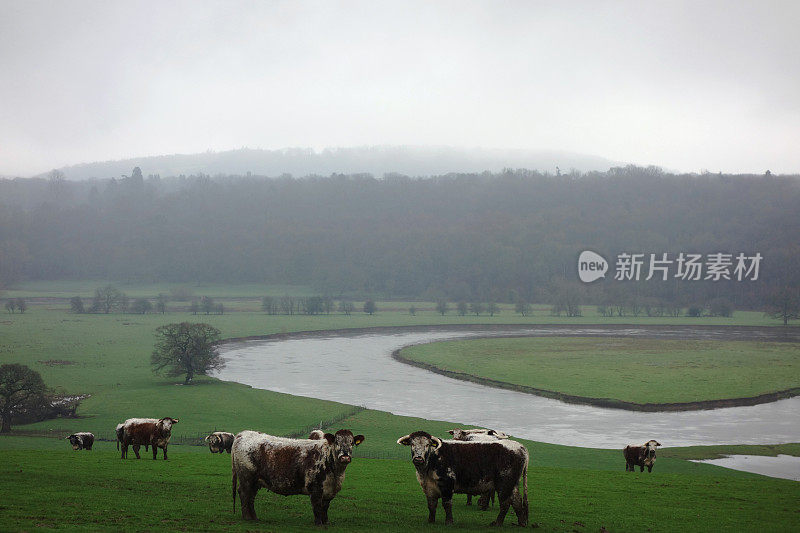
(48,486)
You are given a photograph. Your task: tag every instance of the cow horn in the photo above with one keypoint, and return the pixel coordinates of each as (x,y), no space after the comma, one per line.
(437,441)
(405,440)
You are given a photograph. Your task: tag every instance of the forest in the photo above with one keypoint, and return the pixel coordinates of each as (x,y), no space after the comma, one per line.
(507,236)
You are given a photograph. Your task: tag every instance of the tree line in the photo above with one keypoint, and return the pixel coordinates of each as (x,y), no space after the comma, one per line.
(504,237)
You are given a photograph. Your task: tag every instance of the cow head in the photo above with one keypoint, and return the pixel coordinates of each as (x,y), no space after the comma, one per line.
(214,443)
(76,441)
(422,446)
(165,424)
(649,451)
(342,444)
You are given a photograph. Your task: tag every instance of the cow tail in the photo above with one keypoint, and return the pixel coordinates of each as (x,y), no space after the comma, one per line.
(233,487)
(525,486)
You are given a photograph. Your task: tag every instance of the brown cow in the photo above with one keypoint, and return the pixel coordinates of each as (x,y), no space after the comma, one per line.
(472,435)
(447,467)
(220,441)
(154,432)
(291,466)
(81,441)
(641,456)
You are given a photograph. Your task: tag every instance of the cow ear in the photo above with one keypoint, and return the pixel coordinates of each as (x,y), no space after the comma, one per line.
(658,443)
(358,439)
(491,432)
(405,441)
(452,431)
(330,437)
(437,442)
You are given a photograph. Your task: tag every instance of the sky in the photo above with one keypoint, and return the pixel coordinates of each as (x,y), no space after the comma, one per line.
(689,86)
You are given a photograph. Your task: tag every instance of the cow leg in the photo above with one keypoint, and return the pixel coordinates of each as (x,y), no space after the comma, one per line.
(469,499)
(504,494)
(165,452)
(247,495)
(136,451)
(641,468)
(520,509)
(433,501)
(317,506)
(649,468)
(155,451)
(325,505)
(483,501)
(447,504)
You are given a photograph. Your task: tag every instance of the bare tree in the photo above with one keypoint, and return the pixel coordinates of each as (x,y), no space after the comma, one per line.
(107,298)
(783,304)
(441,307)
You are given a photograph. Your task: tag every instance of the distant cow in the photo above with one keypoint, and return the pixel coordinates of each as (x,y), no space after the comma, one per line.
(641,456)
(447,467)
(119,433)
(220,441)
(291,466)
(81,441)
(154,432)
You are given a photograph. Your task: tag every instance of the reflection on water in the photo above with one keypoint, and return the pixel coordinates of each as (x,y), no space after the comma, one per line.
(359,370)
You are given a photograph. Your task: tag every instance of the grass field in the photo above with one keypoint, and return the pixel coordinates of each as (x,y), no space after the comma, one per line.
(47,485)
(624,368)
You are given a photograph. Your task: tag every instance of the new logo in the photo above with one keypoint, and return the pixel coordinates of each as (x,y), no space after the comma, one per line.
(591,266)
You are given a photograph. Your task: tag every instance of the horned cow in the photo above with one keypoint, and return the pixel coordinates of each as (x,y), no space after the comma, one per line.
(81,441)
(641,456)
(447,467)
(154,432)
(315,467)
(220,441)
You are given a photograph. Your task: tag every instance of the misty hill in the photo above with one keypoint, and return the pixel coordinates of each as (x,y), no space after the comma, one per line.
(376,160)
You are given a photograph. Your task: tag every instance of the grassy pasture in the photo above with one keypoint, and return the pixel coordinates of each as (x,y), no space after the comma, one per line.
(54,488)
(47,485)
(624,368)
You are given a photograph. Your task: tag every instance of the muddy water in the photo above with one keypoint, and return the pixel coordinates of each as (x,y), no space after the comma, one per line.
(358,369)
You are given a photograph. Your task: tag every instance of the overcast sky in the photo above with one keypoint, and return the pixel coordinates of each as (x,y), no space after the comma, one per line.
(686,85)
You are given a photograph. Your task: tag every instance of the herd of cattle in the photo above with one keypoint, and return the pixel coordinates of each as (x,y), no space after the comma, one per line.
(474,462)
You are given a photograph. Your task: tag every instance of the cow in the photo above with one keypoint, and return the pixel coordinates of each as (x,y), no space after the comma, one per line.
(471,434)
(220,441)
(154,432)
(118,431)
(81,441)
(478,434)
(286,466)
(641,456)
(445,467)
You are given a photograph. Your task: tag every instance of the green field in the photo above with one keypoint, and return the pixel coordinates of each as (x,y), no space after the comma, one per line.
(628,369)
(47,485)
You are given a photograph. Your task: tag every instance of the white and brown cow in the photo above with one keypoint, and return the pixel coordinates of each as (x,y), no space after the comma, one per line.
(154,432)
(286,466)
(450,466)
(473,435)
(220,441)
(81,441)
(641,456)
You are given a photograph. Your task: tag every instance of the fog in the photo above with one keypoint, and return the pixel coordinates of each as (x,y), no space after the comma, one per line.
(684,85)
